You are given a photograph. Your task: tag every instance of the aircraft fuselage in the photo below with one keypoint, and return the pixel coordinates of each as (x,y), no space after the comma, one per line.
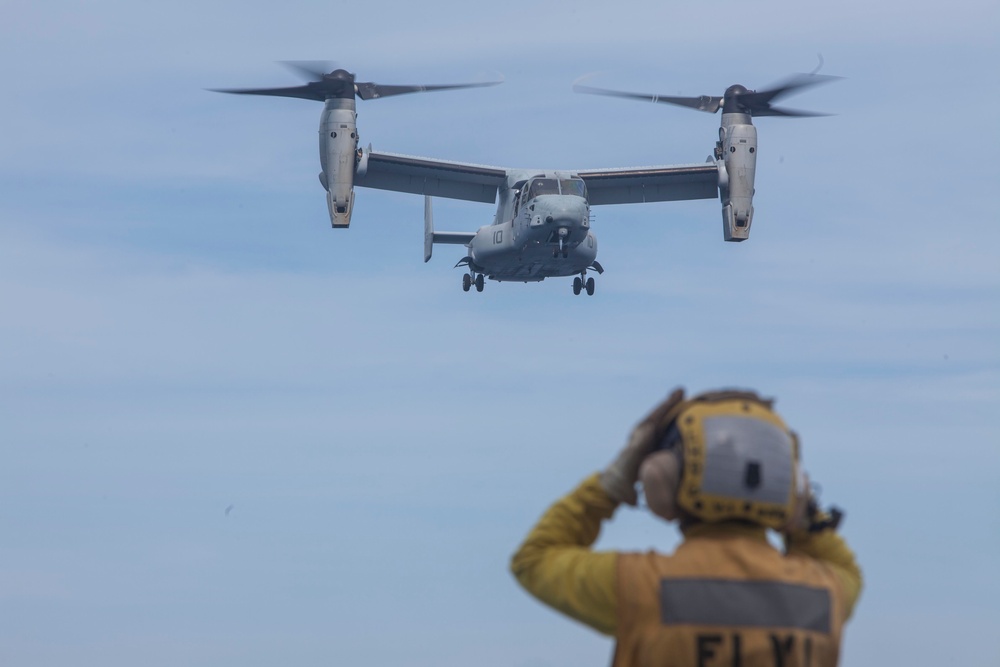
(541,229)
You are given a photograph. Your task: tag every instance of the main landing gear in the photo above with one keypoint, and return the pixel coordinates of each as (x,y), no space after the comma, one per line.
(579,284)
(468,281)
(582,282)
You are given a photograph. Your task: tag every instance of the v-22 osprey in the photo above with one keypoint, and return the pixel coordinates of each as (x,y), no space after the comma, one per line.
(542,225)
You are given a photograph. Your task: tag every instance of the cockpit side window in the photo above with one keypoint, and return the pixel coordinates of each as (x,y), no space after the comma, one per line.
(543,186)
(574,186)
(517,195)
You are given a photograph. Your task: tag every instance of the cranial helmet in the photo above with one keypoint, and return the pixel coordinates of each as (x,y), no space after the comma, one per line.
(726,456)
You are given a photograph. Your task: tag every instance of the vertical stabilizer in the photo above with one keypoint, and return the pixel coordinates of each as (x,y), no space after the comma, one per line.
(428,229)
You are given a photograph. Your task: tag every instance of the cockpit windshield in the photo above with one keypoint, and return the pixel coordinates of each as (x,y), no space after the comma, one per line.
(573,186)
(553,186)
(543,186)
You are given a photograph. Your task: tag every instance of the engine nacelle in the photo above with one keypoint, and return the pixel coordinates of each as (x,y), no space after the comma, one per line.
(734,227)
(738,145)
(338,146)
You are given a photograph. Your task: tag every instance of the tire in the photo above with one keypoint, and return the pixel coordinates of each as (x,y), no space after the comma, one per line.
(466,282)
(590,287)
(479,283)
(577,285)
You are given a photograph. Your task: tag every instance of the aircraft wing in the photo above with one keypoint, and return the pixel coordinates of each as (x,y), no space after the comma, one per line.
(638,185)
(425,176)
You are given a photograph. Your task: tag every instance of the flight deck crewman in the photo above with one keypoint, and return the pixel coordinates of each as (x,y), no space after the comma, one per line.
(725,467)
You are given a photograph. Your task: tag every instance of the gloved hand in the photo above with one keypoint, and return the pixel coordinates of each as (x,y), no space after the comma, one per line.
(619,478)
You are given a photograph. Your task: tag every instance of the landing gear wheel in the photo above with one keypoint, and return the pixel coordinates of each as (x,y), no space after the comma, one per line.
(577,285)
(466,282)
(590,287)
(479,283)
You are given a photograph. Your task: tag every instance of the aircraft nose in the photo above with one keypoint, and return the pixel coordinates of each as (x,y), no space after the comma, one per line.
(566,214)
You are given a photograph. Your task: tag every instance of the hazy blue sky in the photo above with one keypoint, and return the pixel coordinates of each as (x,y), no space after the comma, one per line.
(230,435)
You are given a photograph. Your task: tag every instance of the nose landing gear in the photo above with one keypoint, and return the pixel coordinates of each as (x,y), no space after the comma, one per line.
(562,249)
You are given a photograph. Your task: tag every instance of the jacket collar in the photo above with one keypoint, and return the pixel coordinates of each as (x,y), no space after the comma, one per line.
(700,529)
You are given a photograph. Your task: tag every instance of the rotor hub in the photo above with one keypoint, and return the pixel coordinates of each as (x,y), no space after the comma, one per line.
(338,75)
(731,99)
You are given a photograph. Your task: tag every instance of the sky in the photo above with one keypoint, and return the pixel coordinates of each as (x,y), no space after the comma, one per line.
(230,435)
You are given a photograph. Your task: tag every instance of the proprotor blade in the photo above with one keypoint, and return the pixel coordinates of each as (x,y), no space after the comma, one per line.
(310,70)
(758,103)
(787,113)
(737,99)
(702,103)
(339,83)
(373,91)
(307,92)
(763,98)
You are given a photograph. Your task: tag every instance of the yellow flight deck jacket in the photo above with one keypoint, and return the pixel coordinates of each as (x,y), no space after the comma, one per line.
(725,597)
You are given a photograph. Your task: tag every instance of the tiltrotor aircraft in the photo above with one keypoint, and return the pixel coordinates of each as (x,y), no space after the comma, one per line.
(541,228)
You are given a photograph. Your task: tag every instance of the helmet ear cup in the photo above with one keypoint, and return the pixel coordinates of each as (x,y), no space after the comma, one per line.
(660,474)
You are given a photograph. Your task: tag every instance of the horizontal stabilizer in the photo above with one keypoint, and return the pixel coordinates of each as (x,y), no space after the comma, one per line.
(456,238)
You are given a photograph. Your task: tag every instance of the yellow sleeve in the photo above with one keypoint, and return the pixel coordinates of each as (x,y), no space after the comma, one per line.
(831,548)
(557,566)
